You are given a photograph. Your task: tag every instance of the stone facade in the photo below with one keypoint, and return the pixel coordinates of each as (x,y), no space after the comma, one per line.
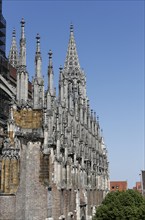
(54,160)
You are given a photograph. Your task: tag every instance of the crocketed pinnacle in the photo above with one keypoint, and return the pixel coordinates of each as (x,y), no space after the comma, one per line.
(22,60)
(38,59)
(22,28)
(72,61)
(13,54)
(50,74)
(37,44)
(50,59)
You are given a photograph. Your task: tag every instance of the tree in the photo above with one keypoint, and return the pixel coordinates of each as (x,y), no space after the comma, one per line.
(124,205)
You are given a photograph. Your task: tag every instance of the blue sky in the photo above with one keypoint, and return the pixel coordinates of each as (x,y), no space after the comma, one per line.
(110,44)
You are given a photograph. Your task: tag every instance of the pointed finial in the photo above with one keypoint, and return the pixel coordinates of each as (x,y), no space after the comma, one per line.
(38,43)
(50,74)
(14,33)
(38,38)
(60,68)
(50,54)
(38,59)
(97,118)
(22,22)
(71,28)
(22,28)
(50,59)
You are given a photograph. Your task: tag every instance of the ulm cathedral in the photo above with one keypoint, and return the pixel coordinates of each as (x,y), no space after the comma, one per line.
(53,160)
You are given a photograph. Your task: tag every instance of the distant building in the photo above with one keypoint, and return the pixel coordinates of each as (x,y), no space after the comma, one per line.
(118,186)
(138,187)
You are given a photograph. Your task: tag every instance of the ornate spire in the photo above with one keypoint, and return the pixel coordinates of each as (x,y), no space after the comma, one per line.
(71,60)
(22,75)
(38,83)
(23,44)
(38,59)
(13,54)
(22,28)
(50,74)
(38,44)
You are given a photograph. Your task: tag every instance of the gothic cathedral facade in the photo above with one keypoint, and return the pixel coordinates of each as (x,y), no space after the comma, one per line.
(54,162)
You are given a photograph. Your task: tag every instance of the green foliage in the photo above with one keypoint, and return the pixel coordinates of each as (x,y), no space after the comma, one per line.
(124,205)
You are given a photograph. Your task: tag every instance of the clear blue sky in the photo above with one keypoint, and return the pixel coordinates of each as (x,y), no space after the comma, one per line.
(110,43)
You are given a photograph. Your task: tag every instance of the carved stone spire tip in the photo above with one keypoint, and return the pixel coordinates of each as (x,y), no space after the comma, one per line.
(14,33)
(38,37)
(22,22)
(50,54)
(22,29)
(71,28)
(38,44)
(60,68)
